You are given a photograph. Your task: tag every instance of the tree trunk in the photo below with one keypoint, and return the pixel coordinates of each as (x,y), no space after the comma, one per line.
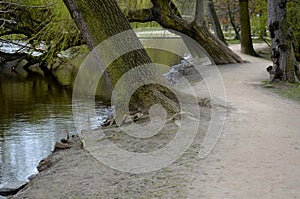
(163,13)
(100,20)
(285,66)
(246,41)
(199,14)
(215,21)
(231,18)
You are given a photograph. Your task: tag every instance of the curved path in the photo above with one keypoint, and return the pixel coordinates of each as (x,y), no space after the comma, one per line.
(258,155)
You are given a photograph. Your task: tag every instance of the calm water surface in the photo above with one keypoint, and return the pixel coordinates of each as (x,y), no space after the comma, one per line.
(33,115)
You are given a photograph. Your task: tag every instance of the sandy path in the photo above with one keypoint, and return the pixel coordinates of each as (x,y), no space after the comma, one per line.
(258,155)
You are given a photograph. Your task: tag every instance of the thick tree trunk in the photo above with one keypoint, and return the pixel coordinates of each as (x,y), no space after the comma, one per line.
(163,13)
(215,21)
(285,66)
(246,40)
(100,20)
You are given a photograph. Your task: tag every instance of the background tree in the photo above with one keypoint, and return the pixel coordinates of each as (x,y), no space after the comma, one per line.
(293,17)
(215,21)
(285,66)
(246,40)
(228,11)
(262,14)
(168,16)
(199,13)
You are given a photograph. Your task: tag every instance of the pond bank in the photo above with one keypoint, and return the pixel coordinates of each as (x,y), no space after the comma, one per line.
(256,157)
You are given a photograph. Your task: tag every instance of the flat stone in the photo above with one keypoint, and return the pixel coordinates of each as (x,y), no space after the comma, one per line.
(12,188)
(61,146)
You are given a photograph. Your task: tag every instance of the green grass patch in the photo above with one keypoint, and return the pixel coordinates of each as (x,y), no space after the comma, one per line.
(288,90)
(233,41)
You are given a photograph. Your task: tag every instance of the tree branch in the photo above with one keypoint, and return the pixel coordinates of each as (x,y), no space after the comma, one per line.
(166,14)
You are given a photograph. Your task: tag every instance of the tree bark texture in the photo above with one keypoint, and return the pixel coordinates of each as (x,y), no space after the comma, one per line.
(99,20)
(285,66)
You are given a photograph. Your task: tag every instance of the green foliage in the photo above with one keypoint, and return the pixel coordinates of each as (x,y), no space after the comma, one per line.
(293,15)
(42,22)
(59,32)
(259,18)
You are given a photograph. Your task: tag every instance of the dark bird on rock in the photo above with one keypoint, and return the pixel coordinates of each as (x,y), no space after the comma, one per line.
(67,137)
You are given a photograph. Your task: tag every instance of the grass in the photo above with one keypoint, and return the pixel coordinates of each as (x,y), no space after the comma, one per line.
(262,52)
(284,89)
(288,90)
(234,41)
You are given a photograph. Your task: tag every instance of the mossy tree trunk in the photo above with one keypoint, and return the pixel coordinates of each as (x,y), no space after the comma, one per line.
(99,20)
(246,40)
(285,66)
(166,14)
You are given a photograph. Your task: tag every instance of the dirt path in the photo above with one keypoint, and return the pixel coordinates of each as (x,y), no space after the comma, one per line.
(257,156)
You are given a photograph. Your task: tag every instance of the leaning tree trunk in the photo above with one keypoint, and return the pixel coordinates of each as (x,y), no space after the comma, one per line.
(215,21)
(165,14)
(99,20)
(246,41)
(285,66)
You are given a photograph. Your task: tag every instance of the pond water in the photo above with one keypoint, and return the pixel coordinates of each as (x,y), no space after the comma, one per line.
(33,115)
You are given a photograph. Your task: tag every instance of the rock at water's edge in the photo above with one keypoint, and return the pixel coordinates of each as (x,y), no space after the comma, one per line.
(12,188)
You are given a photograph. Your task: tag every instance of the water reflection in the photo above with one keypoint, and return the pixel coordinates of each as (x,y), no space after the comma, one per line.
(33,115)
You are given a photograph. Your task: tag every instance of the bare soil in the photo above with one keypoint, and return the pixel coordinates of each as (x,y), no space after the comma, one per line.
(257,155)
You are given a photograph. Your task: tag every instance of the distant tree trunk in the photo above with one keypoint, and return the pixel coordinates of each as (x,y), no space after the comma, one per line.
(99,20)
(246,40)
(231,18)
(199,14)
(215,21)
(285,66)
(166,14)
